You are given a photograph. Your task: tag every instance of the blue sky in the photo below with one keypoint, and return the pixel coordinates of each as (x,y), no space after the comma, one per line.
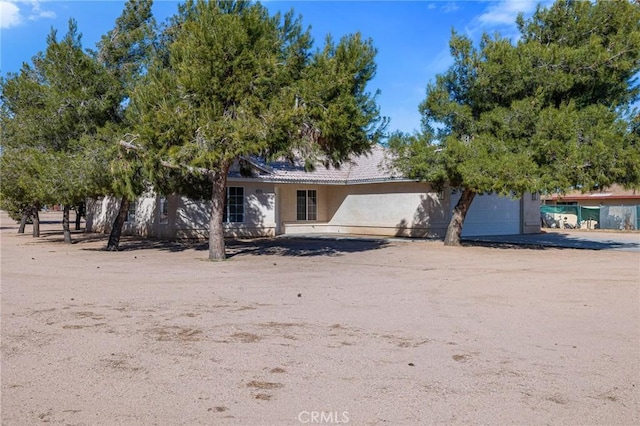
(411,36)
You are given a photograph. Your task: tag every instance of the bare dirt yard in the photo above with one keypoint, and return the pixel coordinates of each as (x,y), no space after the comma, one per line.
(315,331)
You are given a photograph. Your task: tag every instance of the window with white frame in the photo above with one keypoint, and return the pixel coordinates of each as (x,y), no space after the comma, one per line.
(234,208)
(131,213)
(163,211)
(306,204)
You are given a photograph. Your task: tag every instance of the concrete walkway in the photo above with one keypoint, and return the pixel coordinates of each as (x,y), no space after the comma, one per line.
(569,239)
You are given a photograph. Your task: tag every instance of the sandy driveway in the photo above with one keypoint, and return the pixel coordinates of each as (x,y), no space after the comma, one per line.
(295,332)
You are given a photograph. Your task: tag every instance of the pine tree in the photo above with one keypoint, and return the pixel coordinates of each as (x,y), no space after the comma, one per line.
(51,112)
(544,114)
(125,52)
(230,81)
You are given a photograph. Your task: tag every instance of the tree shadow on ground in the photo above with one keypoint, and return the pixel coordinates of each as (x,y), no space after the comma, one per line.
(29,227)
(296,247)
(301,247)
(77,236)
(306,247)
(505,246)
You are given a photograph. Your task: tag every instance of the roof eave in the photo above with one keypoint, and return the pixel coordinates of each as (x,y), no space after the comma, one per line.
(271,179)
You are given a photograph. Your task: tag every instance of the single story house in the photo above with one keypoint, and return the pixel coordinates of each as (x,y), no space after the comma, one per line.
(363,197)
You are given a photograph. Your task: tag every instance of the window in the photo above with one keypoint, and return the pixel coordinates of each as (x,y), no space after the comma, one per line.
(131,214)
(234,209)
(163,211)
(306,206)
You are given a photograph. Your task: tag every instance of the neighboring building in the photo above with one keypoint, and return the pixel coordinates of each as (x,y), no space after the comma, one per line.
(362,197)
(613,208)
(612,196)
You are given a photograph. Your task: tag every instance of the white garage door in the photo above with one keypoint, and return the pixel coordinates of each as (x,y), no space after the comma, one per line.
(490,215)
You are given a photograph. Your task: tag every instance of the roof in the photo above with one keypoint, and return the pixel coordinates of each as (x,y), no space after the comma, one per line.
(367,168)
(614,192)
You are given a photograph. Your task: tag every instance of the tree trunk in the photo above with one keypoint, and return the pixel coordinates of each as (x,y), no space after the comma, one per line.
(65,224)
(80,212)
(116,229)
(218,198)
(23,221)
(36,219)
(454,231)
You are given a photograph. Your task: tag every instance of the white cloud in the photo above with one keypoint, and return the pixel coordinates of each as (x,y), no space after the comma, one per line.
(14,12)
(37,12)
(449,7)
(504,12)
(501,16)
(9,15)
(441,62)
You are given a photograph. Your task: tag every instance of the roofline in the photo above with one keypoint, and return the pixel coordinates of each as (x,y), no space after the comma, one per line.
(592,197)
(320,182)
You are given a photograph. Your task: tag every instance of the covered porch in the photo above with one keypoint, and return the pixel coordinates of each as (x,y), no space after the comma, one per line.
(408,209)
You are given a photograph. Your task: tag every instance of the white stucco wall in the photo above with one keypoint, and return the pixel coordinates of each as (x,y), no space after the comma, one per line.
(187,218)
(402,209)
(102,212)
(394,209)
(530,213)
(408,209)
(191,218)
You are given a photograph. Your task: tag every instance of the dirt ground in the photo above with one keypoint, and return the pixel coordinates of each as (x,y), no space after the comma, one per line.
(309,332)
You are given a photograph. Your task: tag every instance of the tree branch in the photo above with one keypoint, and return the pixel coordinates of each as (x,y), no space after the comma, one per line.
(190,169)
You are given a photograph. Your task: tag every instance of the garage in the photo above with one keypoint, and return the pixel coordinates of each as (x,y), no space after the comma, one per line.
(490,215)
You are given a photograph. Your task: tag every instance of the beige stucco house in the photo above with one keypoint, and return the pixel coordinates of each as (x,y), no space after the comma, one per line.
(363,197)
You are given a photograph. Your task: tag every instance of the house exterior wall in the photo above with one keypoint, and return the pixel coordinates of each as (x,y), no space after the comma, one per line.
(102,212)
(192,217)
(187,218)
(409,209)
(530,213)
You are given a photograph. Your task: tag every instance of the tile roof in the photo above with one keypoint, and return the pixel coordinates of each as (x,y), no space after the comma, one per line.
(366,168)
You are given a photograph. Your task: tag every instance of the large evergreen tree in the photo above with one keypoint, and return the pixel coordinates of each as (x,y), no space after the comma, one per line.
(232,81)
(544,114)
(20,194)
(125,52)
(51,111)
(23,98)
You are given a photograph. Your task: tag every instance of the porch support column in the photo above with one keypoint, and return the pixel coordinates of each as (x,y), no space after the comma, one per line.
(276,212)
